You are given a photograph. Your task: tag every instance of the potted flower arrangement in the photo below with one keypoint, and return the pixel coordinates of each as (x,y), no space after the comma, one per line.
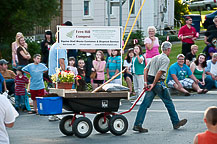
(65,79)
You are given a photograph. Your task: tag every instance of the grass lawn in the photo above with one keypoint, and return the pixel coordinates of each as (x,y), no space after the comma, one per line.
(202,12)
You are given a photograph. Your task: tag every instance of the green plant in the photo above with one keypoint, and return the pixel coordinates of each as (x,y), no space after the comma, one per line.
(138,34)
(180,10)
(5,51)
(172,38)
(33,48)
(24,15)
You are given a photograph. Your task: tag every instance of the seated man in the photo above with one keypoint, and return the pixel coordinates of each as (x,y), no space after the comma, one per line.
(212,49)
(211,69)
(177,77)
(191,56)
(8,75)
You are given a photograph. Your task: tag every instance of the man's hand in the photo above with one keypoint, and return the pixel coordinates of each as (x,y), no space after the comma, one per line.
(197,81)
(150,87)
(194,38)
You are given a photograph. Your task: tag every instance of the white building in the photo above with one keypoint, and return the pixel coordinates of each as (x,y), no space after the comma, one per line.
(158,13)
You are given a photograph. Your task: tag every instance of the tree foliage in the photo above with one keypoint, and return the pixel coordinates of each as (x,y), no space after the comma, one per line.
(180,10)
(24,15)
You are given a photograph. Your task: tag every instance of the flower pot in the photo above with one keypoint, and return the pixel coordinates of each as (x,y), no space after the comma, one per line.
(65,85)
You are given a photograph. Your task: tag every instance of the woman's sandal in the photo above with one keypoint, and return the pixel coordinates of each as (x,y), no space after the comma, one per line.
(32,112)
(205,91)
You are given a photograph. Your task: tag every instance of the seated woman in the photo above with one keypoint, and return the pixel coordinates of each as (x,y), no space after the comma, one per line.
(198,69)
(127,64)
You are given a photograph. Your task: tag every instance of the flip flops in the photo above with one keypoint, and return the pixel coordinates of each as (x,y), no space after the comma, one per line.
(32,112)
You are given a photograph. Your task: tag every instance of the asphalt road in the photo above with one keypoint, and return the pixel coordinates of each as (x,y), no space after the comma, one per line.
(35,129)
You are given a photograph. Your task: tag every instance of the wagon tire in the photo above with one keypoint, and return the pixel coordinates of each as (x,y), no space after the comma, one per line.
(99,124)
(82,127)
(65,125)
(118,125)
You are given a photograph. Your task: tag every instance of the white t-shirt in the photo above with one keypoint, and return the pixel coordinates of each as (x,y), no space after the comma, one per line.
(73,69)
(128,65)
(7,116)
(213,69)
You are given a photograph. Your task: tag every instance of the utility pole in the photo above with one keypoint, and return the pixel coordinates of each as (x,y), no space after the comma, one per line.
(120,12)
(108,11)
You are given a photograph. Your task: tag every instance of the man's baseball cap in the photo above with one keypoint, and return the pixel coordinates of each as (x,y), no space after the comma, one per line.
(187,18)
(3,61)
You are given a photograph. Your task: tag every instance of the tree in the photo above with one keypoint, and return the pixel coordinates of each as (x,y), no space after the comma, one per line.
(24,15)
(180,10)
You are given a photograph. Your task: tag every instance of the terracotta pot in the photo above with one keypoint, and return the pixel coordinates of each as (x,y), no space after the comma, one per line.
(65,85)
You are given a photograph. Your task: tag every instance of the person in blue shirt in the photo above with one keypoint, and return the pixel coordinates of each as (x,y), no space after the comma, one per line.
(36,70)
(113,66)
(2,83)
(177,77)
(62,58)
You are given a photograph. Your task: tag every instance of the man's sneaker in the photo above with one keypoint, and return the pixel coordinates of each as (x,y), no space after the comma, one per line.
(140,129)
(180,123)
(53,118)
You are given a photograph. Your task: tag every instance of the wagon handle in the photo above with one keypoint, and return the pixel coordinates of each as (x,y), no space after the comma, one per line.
(108,81)
(141,94)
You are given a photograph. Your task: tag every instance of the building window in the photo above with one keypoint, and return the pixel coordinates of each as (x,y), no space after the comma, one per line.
(86,8)
(130,3)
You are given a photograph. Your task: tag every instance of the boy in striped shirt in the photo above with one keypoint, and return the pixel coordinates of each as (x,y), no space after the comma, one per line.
(20,85)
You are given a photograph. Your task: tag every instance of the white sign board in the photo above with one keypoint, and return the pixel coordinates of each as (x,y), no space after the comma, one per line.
(88,37)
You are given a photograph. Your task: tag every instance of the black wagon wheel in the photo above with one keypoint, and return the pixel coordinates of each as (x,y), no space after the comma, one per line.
(118,125)
(65,125)
(82,127)
(100,125)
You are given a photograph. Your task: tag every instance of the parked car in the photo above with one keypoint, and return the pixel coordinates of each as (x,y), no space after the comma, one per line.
(209,19)
(202,5)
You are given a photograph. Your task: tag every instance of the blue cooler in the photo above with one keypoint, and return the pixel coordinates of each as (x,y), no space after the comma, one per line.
(49,105)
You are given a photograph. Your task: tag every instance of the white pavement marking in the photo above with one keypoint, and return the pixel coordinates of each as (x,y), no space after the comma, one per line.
(190,100)
(162,111)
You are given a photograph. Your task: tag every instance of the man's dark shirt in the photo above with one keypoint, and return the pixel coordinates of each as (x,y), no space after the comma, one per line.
(190,56)
(211,32)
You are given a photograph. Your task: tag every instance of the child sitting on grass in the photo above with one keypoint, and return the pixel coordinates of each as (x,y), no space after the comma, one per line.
(210,135)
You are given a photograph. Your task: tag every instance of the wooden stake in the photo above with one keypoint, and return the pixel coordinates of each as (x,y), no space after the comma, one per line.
(98,88)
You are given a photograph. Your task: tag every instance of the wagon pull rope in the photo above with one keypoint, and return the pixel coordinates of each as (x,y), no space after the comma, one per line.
(108,81)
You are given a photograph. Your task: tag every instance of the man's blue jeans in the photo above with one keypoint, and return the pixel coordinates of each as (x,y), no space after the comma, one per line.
(209,78)
(164,94)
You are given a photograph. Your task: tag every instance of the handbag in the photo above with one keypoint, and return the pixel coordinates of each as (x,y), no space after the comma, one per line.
(93,75)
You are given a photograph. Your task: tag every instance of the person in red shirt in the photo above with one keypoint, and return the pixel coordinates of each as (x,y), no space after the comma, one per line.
(210,135)
(188,35)
(20,86)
